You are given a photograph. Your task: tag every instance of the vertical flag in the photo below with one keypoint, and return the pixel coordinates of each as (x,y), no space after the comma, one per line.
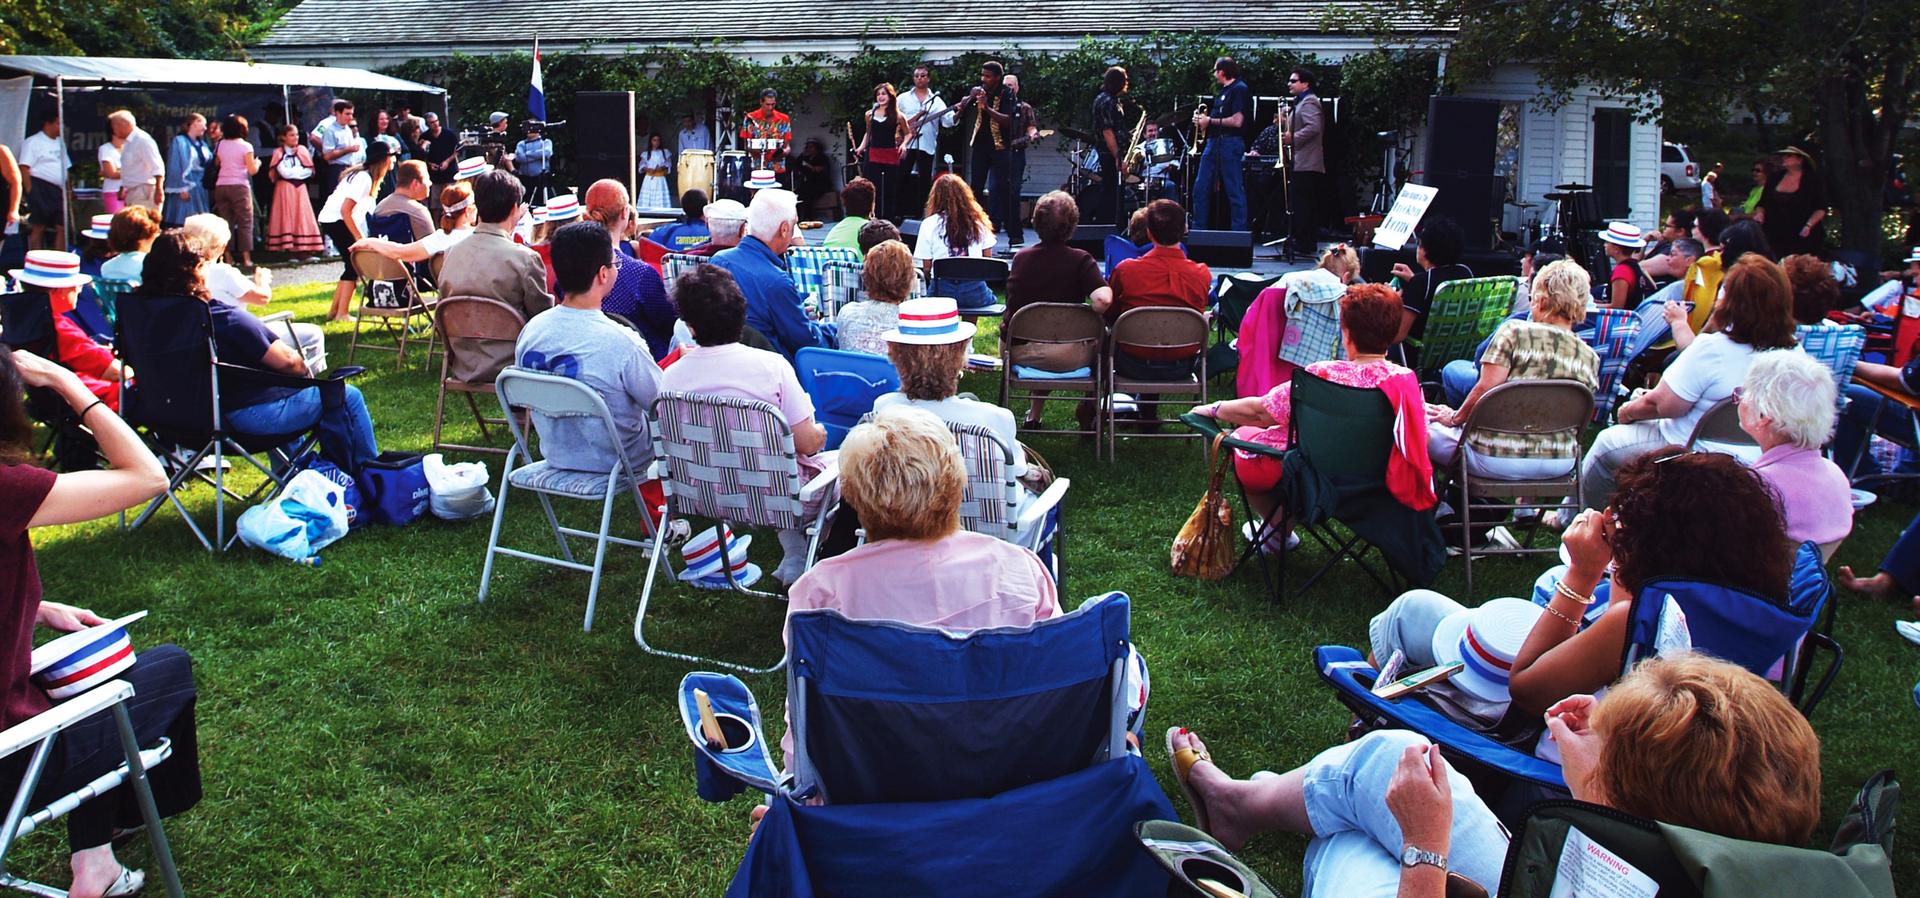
(537,92)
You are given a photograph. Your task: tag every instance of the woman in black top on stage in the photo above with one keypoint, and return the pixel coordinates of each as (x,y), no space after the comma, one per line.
(880,149)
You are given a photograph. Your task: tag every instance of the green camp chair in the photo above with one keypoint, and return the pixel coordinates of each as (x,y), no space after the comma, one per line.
(1464,312)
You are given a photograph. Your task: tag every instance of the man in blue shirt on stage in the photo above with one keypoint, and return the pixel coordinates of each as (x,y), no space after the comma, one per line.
(773,303)
(1225,145)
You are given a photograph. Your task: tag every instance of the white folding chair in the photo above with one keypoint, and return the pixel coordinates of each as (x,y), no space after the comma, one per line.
(40,733)
(998,505)
(521,389)
(732,461)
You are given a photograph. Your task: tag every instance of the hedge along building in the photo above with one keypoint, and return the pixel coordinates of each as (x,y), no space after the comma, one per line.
(823,47)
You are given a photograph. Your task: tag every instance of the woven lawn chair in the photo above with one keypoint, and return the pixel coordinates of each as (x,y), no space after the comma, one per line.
(476,320)
(673,265)
(1838,348)
(999,506)
(1611,333)
(732,461)
(1529,407)
(839,285)
(804,264)
(1156,328)
(108,291)
(398,317)
(1464,312)
(1069,332)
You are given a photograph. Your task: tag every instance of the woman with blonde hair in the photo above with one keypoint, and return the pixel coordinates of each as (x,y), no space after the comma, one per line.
(1686,740)
(879,149)
(887,280)
(955,227)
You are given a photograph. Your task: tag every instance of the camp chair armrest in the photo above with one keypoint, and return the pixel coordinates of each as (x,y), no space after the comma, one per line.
(1911,402)
(1210,428)
(61,716)
(1042,505)
(277,317)
(824,481)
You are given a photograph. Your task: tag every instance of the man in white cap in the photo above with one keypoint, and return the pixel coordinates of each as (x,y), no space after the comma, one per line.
(774,304)
(726,224)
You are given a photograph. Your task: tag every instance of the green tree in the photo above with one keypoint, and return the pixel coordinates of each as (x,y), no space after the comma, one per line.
(197,29)
(1846,74)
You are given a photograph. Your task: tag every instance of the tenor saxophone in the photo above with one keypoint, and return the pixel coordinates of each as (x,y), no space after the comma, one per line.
(1133,143)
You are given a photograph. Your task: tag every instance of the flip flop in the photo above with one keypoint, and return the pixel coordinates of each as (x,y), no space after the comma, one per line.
(1183,761)
(130,882)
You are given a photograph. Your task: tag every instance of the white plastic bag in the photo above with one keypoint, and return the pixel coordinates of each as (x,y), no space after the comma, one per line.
(459,490)
(305,517)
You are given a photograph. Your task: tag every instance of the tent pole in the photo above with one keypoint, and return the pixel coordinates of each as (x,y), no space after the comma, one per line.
(286,107)
(66,193)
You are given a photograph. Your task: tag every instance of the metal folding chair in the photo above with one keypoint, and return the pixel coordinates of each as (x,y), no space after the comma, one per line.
(1522,407)
(523,390)
(478,320)
(1721,425)
(1156,328)
(375,268)
(1067,329)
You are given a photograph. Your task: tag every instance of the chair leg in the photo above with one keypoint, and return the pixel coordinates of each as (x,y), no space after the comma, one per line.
(554,523)
(479,418)
(600,550)
(1466,528)
(440,410)
(143,792)
(400,357)
(493,536)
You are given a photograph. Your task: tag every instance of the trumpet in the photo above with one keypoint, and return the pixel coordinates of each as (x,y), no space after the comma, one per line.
(1199,131)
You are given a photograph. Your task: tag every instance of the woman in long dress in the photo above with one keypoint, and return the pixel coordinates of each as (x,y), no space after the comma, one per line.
(655,164)
(291,227)
(187,158)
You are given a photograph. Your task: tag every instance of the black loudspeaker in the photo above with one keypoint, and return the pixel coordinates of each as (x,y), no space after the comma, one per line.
(1376,264)
(1461,141)
(1233,249)
(1092,238)
(603,147)
(909,229)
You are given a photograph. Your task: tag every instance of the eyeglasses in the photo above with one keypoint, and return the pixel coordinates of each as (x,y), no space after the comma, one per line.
(1293,81)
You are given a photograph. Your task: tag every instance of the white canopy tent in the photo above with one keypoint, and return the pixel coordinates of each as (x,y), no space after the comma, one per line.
(116,71)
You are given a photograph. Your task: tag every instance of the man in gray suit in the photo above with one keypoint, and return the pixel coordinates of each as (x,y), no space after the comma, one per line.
(490,264)
(1307,169)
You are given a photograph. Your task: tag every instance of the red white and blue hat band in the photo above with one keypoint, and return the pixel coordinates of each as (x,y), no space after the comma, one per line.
(102,223)
(49,263)
(1624,234)
(1481,661)
(472,166)
(562,207)
(931,325)
(99,655)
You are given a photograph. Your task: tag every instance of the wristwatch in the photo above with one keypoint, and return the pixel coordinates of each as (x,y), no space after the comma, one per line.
(1411,856)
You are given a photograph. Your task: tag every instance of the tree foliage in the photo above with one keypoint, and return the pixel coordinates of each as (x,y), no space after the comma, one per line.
(1846,75)
(195,29)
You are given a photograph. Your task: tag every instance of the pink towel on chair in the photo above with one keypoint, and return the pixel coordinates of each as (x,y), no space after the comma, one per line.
(1409,470)
(1261,368)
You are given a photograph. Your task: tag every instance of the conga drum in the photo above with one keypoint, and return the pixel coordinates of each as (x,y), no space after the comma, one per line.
(694,171)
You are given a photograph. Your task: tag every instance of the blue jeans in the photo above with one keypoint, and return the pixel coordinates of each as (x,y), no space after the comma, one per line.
(346,433)
(1457,379)
(1903,560)
(965,294)
(1868,413)
(1221,158)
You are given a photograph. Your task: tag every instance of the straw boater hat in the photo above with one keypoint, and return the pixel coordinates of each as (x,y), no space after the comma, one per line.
(1913,255)
(564,207)
(1624,233)
(1795,151)
(1486,639)
(102,223)
(930,321)
(762,179)
(472,167)
(81,660)
(703,558)
(52,268)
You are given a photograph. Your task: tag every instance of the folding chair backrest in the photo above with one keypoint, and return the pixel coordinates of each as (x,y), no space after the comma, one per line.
(993,493)
(1533,407)
(1057,323)
(886,712)
(1464,312)
(474,321)
(108,292)
(1235,295)
(1344,431)
(804,262)
(1838,348)
(1721,424)
(1161,327)
(26,322)
(972,268)
(169,341)
(673,265)
(839,285)
(1735,625)
(1119,249)
(1611,333)
(650,252)
(375,267)
(552,396)
(397,227)
(843,386)
(728,458)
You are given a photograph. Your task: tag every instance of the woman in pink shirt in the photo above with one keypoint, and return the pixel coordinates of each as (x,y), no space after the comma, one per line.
(1787,404)
(233,185)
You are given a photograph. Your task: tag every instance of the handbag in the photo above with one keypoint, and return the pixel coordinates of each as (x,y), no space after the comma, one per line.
(1204,547)
(883,155)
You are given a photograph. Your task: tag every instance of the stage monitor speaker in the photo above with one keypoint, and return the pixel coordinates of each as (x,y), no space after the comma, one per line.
(909,229)
(1376,264)
(603,130)
(1462,137)
(1233,249)
(1092,238)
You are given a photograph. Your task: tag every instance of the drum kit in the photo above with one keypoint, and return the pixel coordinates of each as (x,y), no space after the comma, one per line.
(1575,217)
(1150,172)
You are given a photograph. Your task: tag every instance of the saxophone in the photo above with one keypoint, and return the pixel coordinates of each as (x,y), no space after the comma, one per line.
(1132,154)
(1199,132)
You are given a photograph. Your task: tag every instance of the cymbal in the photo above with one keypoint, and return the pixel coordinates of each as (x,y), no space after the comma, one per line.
(1523,205)
(1175,117)
(1575,186)
(1076,135)
(1557,197)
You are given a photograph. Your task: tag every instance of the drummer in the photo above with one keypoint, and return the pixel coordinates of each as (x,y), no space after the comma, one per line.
(1159,173)
(768,135)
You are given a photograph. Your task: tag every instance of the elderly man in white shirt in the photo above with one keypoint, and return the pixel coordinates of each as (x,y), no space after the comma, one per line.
(143,170)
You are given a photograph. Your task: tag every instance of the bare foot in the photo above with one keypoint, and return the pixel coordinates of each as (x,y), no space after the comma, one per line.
(1217,791)
(754,817)
(1916,606)
(1879,586)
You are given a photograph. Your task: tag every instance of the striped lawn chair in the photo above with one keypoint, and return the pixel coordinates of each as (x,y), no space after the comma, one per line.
(1464,313)
(839,285)
(732,461)
(1611,333)
(673,265)
(1838,348)
(804,264)
(998,505)
(107,292)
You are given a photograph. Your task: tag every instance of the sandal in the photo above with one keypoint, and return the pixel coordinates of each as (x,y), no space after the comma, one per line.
(1183,761)
(1032,424)
(130,881)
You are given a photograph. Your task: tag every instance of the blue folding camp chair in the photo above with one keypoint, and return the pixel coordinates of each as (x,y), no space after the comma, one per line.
(1772,637)
(1611,333)
(843,386)
(1119,249)
(930,764)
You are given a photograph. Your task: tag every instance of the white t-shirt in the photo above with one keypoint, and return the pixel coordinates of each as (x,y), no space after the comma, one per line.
(932,242)
(1703,374)
(47,156)
(226,283)
(109,154)
(438,241)
(357,186)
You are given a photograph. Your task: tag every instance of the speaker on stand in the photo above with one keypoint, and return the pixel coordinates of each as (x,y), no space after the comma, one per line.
(1462,136)
(603,145)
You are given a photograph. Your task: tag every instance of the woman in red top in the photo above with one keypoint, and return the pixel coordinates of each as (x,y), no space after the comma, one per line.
(31,496)
(58,275)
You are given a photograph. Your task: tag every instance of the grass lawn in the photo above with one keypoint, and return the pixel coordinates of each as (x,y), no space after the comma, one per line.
(366,728)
